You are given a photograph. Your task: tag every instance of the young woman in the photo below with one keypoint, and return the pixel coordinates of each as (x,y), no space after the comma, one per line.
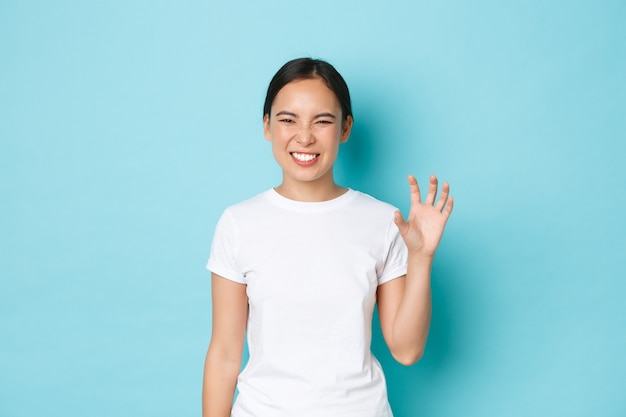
(299,268)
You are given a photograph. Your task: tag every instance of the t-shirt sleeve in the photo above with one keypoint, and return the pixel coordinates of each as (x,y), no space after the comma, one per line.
(396,261)
(223,258)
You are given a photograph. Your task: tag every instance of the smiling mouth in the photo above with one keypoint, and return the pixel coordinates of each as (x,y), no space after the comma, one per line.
(304,157)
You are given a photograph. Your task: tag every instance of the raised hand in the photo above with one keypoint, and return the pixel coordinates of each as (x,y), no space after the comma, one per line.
(424,227)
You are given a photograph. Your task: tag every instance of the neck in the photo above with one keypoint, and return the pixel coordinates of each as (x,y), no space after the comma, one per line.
(312,191)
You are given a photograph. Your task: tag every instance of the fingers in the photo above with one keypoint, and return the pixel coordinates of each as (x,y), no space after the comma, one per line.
(443,198)
(443,204)
(448,208)
(416,198)
(399,221)
(432,191)
(397,218)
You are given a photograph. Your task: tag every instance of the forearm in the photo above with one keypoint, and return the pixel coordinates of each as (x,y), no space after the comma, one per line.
(412,321)
(407,304)
(220,379)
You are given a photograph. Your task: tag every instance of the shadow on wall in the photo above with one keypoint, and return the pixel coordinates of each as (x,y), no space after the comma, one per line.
(376,160)
(456,302)
(383,148)
(356,165)
(381,151)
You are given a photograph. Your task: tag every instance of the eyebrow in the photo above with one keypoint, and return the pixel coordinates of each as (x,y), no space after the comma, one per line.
(288,113)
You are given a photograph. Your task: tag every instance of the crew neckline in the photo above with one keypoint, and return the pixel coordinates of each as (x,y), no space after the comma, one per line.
(309,206)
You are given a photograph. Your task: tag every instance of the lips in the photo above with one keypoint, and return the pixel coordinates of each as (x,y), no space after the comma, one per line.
(304,159)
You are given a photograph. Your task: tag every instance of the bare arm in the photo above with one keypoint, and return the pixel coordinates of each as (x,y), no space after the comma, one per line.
(223,359)
(404,304)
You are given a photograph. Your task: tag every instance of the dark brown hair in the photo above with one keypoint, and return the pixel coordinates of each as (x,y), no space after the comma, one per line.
(308,68)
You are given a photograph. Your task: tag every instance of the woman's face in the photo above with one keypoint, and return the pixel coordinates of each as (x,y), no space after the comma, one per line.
(306,127)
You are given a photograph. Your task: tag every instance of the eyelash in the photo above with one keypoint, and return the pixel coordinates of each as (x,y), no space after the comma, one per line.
(290,121)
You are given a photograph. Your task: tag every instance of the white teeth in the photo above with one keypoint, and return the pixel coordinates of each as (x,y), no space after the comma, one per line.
(304,157)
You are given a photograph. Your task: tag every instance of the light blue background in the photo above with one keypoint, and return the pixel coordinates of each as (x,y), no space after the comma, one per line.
(128,126)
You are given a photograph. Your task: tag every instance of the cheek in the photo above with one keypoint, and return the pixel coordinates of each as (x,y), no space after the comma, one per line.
(281,132)
(329,135)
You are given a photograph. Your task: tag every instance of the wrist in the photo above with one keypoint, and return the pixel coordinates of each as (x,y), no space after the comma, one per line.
(421,255)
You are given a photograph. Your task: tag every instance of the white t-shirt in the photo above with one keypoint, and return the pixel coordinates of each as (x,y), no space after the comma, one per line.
(311,271)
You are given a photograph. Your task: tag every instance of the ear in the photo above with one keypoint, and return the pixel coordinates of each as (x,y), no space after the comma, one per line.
(346,128)
(266,127)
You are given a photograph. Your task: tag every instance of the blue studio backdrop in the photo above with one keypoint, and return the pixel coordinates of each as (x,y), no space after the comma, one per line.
(126,127)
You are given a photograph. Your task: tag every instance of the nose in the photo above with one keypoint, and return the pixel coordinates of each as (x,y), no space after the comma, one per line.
(305,135)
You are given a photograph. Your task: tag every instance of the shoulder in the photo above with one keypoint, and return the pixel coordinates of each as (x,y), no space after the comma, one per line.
(370,203)
(250,205)
(243,213)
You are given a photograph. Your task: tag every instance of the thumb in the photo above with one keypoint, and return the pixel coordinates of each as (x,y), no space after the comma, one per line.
(399,220)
